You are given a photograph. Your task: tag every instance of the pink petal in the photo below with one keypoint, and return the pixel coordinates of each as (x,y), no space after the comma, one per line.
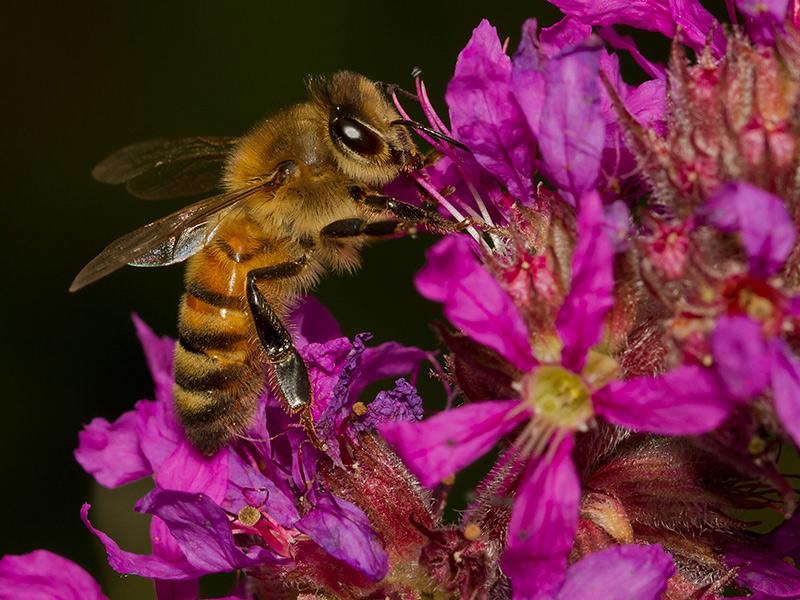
(620,573)
(571,138)
(474,301)
(202,530)
(42,575)
(484,114)
(763,18)
(527,76)
(344,531)
(785,375)
(580,319)
(159,352)
(187,470)
(740,356)
(685,401)
(386,360)
(158,431)
(146,565)
(543,524)
(110,452)
(624,42)
(564,35)
(313,322)
(664,16)
(440,446)
(761,218)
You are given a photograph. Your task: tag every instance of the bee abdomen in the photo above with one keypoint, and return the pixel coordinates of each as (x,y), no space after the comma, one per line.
(215,383)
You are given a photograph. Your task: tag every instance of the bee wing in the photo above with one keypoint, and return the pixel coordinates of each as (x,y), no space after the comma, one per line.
(177,236)
(168,168)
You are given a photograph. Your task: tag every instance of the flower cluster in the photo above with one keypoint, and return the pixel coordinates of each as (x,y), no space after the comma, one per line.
(622,346)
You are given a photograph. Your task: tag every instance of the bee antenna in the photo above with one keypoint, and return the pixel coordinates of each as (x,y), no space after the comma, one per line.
(431,132)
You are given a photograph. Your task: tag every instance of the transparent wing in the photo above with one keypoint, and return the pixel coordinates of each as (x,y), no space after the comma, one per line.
(177,236)
(177,248)
(168,168)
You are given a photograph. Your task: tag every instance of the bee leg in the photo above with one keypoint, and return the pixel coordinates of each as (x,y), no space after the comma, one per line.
(408,213)
(291,375)
(345,228)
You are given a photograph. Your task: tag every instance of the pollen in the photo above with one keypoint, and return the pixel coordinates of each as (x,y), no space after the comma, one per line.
(359,409)
(249,516)
(472,532)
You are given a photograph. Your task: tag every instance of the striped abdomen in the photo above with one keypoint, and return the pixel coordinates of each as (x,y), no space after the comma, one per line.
(217,375)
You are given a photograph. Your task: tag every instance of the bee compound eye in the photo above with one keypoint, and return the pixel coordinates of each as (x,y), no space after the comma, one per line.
(355,135)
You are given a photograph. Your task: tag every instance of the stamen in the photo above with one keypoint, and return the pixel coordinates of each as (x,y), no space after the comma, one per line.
(447,205)
(427,108)
(438,146)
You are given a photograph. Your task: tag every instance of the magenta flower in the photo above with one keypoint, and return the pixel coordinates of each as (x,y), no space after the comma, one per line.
(767,566)
(562,385)
(484,114)
(746,344)
(763,19)
(617,573)
(556,84)
(42,575)
(251,487)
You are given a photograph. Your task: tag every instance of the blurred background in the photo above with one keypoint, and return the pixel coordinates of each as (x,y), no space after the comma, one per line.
(83,79)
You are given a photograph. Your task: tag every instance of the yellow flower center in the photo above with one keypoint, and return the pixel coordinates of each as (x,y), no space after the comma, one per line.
(559,397)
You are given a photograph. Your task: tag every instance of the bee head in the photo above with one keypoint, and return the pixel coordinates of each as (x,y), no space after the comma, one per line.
(362,128)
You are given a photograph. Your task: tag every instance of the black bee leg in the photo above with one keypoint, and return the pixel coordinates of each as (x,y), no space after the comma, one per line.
(345,228)
(291,375)
(407,213)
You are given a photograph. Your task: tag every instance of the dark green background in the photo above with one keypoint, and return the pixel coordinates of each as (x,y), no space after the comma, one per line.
(82,79)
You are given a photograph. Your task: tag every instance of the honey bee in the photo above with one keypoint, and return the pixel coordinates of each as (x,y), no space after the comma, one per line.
(301,196)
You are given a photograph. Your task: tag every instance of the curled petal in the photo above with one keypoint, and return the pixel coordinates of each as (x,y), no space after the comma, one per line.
(767,230)
(42,575)
(564,35)
(543,524)
(740,356)
(620,573)
(146,565)
(685,401)
(580,319)
(110,451)
(440,446)
(664,16)
(325,362)
(403,403)
(202,530)
(485,116)
(344,531)
(474,301)
(624,42)
(785,376)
